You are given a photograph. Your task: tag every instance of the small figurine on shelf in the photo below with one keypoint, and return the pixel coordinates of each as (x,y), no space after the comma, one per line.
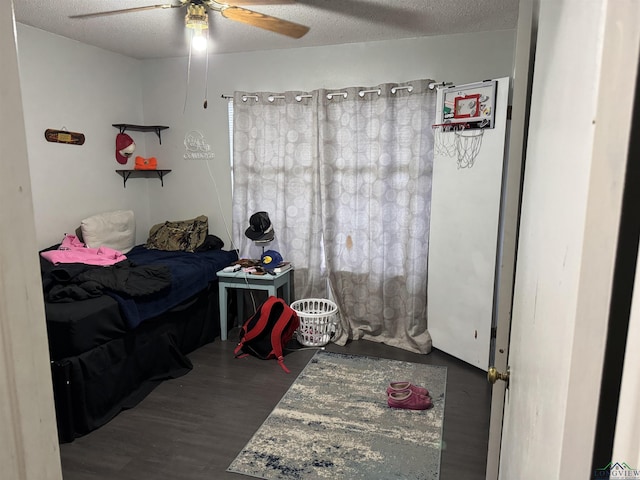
(142,163)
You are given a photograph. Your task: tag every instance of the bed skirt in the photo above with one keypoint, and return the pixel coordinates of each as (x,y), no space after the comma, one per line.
(93,387)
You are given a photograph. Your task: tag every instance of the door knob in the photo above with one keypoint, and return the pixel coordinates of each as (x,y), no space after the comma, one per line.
(494,375)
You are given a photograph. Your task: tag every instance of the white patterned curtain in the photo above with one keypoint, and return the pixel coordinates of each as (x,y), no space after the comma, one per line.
(275,169)
(346,178)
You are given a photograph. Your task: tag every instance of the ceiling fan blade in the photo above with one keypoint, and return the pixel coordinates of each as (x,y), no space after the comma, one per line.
(267,22)
(125,10)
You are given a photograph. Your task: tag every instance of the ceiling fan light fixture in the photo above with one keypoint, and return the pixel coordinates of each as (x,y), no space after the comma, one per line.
(196,17)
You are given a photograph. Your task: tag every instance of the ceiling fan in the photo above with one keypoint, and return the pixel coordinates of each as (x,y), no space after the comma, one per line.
(197,18)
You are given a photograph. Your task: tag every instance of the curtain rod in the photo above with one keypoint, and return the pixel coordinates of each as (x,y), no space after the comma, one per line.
(433,85)
(330,95)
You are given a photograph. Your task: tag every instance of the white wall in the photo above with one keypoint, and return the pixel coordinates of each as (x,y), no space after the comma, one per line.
(189,190)
(86,89)
(67,84)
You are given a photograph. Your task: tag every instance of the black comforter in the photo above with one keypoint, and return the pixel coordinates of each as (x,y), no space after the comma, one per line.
(147,284)
(77,281)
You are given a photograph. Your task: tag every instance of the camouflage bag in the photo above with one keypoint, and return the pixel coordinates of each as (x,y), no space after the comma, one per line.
(184,235)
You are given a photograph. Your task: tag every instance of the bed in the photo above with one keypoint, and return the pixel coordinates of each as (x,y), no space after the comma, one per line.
(116,331)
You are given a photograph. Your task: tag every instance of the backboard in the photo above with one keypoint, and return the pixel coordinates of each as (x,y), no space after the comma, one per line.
(472,105)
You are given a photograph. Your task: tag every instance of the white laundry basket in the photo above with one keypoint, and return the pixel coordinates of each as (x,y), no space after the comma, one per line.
(318,319)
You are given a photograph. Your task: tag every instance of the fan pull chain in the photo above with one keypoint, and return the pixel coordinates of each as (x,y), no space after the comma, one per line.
(186,92)
(206,73)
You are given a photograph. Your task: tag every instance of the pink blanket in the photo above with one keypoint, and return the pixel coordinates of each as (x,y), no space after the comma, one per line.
(72,250)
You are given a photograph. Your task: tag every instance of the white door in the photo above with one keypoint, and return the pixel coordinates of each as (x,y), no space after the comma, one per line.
(585,67)
(28,436)
(463,238)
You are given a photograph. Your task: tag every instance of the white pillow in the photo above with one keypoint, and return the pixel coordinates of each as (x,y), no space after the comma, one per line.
(115,230)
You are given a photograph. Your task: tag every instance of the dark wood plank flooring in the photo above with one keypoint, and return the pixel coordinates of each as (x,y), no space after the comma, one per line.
(192,428)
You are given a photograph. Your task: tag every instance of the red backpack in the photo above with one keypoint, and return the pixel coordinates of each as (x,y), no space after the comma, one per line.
(267,332)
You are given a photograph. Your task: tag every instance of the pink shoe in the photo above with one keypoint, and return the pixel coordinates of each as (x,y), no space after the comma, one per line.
(399,386)
(408,400)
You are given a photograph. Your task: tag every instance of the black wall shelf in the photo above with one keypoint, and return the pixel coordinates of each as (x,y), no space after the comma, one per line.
(123,127)
(142,173)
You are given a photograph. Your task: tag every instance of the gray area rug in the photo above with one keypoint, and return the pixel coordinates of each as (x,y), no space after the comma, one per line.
(334,422)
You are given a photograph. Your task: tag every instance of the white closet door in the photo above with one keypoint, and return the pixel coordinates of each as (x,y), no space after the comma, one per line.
(463,244)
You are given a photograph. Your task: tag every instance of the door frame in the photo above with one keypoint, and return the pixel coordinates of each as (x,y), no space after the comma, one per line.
(620,349)
(29,440)
(626,442)
(510,215)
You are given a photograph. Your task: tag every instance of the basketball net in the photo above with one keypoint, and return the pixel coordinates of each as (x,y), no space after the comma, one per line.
(468,146)
(444,142)
(453,140)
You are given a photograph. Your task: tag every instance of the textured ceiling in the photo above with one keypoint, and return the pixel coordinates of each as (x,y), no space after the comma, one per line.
(161,32)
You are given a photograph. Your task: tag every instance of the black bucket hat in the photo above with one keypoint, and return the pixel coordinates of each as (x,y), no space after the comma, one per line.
(260,228)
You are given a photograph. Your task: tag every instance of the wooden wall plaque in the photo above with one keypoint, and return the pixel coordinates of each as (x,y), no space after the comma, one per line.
(64,136)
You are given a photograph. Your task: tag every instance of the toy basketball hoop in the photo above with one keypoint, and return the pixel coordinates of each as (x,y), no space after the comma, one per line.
(456,140)
(463,113)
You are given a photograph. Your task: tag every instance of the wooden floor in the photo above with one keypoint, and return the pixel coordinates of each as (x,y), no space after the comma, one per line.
(192,428)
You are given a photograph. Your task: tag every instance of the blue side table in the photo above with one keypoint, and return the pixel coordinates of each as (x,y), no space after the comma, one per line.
(248,281)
